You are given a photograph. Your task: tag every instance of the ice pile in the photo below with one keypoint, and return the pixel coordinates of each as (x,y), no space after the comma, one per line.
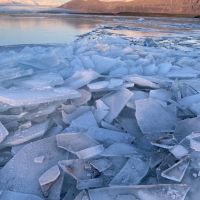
(106,117)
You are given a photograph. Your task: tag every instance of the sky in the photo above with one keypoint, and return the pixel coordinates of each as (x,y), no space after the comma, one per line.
(40,2)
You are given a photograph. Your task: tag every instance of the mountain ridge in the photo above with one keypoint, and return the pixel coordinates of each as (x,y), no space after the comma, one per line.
(173,7)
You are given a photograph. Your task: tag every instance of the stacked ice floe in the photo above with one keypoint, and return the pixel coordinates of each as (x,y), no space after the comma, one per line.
(107,117)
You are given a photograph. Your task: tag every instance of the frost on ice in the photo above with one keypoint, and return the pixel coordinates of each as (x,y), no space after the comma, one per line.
(109,116)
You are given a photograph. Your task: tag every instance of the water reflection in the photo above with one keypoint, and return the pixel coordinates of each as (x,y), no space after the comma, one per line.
(42,30)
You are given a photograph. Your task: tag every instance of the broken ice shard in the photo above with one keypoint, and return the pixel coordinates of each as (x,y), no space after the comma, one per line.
(27,97)
(80,144)
(116,102)
(48,178)
(79,169)
(11,195)
(22,136)
(177,171)
(81,78)
(154,118)
(101,164)
(23,161)
(3,132)
(132,173)
(109,137)
(85,121)
(141,192)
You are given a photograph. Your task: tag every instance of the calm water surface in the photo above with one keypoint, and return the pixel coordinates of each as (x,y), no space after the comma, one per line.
(60,29)
(43,29)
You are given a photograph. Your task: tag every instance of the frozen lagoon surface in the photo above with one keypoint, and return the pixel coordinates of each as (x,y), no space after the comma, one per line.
(112,115)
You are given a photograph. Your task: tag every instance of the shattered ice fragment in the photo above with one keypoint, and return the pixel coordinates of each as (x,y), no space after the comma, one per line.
(101,164)
(27,182)
(141,192)
(85,97)
(116,102)
(11,195)
(85,121)
(48,178)
(80,144)
(189,100)
(119,149)
(22,136)
(90,183)
(115,83)
(179,151)
(109,137)
(132,173)
(81,78)
(142,82)
(166,142)
(177,171)
(98,86)
(3,132)
(194,139)
(101,110)
(186,127)
(78,169)
(27,97)
(39,159)
(82,196)
(69,117)
(160,94)
(152,117)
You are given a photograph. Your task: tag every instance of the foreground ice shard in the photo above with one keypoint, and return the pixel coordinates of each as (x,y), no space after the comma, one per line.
(47,179)
(12,176)
(132,173)
(3,132)
(9,195)
(177,171)
(141,192)
(116,102)
(79,144)
(154,118)
(27,97)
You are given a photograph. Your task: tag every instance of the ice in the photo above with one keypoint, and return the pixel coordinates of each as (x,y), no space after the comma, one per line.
(117,110)
(41,82)
(177,171)
(109,137)
(160,94)
(132,173)
(12,176)
(47,179)
(39,159)
(26,97)
(104,64)
(91,183)
(85,97)
(85,121)
(101,164)
(3,132)
(81,78)
(142,82)
(22,136)
(101,110)
(80,144)
(9,195)
(153,118)
(116,102)
(78,169)
(141,192)
(120,149)
(98,86)
(179,151)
